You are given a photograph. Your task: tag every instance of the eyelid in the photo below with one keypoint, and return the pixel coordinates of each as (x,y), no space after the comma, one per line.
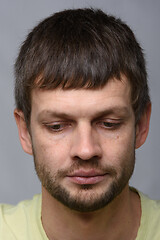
(111,120)
(114,123)
(62,124)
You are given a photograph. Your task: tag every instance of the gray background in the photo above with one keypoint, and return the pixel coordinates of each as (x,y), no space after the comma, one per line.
(18,180)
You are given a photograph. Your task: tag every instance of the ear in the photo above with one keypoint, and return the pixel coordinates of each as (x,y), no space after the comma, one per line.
(142,127)
(24,134)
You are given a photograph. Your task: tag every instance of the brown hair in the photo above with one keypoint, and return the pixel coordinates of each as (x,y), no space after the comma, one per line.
(81,48)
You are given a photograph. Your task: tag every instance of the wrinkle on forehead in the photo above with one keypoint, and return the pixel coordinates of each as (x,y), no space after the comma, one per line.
(114,95)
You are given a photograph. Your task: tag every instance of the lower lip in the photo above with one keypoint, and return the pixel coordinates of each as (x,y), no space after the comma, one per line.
(87,180)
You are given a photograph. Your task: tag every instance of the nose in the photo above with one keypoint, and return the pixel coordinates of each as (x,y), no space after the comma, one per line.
(85,144)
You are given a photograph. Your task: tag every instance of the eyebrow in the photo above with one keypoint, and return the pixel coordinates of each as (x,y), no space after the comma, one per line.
(51,114)
(120,111)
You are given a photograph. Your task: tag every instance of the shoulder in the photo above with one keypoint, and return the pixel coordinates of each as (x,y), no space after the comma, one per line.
(22,209)
(149,206)
(150,218)
(17,220)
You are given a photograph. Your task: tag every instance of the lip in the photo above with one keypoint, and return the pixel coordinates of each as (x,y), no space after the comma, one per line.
(87,177)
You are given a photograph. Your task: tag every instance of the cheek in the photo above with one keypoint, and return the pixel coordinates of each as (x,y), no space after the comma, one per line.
(52,153)
(120,148)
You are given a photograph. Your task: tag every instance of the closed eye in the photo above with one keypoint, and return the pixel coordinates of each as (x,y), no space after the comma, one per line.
(109,125)
(57,127)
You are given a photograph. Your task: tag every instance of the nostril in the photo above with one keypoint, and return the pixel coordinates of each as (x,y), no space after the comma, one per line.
(92,162)
(87,155)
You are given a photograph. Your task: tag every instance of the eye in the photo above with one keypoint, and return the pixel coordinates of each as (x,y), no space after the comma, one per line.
(57,127)
(109,124)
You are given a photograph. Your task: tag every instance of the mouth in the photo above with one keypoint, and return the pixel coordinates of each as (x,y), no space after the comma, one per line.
(87,177)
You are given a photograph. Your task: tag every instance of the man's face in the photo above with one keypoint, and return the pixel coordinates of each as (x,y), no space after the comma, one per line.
(83,143)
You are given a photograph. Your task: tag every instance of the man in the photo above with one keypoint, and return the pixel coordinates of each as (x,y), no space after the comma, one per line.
(83,108)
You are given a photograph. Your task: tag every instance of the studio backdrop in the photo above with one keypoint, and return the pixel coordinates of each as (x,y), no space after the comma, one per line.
(18,180)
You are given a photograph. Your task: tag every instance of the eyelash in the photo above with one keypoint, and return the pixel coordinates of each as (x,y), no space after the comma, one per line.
(109,125)
(59,127)
(54,127)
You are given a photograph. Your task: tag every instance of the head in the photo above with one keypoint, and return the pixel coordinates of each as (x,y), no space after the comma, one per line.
(81,94)
(76,49)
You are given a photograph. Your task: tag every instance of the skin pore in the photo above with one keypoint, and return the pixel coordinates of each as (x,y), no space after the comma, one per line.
(83,142)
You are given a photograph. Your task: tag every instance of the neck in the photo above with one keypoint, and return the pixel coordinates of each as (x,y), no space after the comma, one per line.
(118,220)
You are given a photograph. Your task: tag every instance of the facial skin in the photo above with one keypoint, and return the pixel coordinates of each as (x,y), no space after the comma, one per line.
(83,142)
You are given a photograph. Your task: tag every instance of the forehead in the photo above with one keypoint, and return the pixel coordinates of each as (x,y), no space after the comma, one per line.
(116,93)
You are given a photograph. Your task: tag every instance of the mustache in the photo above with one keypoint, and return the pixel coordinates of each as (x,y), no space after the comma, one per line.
(92,164)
